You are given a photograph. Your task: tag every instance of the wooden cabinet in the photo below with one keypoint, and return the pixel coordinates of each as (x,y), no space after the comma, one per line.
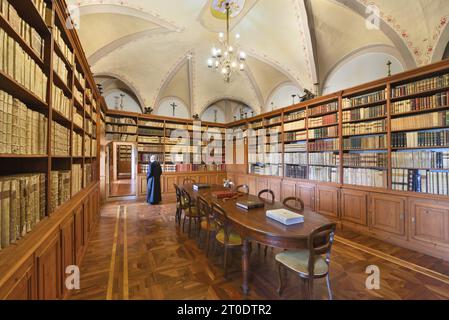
(306,193)
(429,221)
(275,186)
(354,206)
(240,180)
(67,246)
(48,261)
(79,233)
(252,184)
(262,184)
(327,201)
(387,213)
(288,189)
(22,285)
(142,185)
(202,179)
(169,183)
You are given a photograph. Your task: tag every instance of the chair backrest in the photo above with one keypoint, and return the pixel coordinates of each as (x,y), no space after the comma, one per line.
(243,188)
(219,215)
(188,181)
(203,207)
(186,200)
(266,191)
(299,204)
(320,242)
(178,193)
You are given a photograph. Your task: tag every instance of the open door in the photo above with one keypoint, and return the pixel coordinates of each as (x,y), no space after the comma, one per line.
(122,158)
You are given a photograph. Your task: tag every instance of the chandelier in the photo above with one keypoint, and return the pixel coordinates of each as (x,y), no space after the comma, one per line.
(227,58)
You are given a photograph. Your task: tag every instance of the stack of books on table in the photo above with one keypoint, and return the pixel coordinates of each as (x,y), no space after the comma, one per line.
(285,216)
(198,186)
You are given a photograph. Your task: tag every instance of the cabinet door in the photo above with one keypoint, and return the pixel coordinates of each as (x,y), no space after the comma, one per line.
(288,189)
(68,246)
(307,194)
(430,221)
(48,261)
(202,179)
(387,214)
(79,233)
(169,184)
(252,184)
(143,185)
(22,285)
(353,206)
(86,220)
(240,180)
(262,184)
(327,201)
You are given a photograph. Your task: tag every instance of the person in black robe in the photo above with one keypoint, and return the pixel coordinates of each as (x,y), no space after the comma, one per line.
(154,182)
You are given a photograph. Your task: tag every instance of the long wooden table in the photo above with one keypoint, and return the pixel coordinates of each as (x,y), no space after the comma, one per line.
(254,225)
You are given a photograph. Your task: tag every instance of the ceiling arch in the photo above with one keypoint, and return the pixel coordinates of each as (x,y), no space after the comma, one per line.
(443,40)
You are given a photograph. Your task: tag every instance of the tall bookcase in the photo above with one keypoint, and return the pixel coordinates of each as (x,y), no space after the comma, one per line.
(49,114)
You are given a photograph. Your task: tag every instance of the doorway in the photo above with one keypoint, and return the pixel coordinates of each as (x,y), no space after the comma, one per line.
(122,169)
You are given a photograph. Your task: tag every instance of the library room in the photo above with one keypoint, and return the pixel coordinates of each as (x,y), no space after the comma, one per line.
(216,150)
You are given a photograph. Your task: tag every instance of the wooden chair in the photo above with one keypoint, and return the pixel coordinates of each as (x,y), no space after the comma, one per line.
(190,211)
(179,205)
(243,188)
(225,237)
(312,263)
(207,223)
(266,191)
(188,181)
(297,201)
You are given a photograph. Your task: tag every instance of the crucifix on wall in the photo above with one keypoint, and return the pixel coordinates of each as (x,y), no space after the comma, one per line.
(122,95)
(174,106)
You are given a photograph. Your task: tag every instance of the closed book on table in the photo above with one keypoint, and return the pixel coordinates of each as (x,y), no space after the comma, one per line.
(285,216)
(250,204)
(199,186)
(224,194)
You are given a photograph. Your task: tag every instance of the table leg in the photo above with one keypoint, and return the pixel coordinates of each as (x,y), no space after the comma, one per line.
(245,266)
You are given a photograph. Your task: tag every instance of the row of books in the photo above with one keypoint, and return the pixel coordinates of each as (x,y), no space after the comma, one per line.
(295,136)
(60,68)
(68,54)
(421,160)
(22,206)
(364,113)
(295,158)
(16,63)
(121,129)
(329,107)
(436,101)
(60,140)
(433,83)
(78,95)
(77,144)
(80,77)
(351,129)
(154,140)
(151,149)
(272,121)
(22,130)
(324,145)
(87,146)
(61,103)
(296,147)
(266,170)
(296,171)
(87,174)
(365,143)
(153,124)
(271,158)
(366,177)
(121,137)
(379,160)
(31,37)
(295,115)
(180,149)
(175,126)
(150,132)
(364,99)
(425,181)
(295,126)
(94,147)
(323,133)
(429,120)
(42,9)
(324,120)
(324,159)
(77,178)
(121,120)
(60,182)
(425,139)
(324,174)
(78,118)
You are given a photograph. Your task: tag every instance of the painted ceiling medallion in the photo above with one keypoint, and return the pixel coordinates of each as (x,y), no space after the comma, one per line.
(218,8)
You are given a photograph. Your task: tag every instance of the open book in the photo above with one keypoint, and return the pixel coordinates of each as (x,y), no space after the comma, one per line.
(285,216)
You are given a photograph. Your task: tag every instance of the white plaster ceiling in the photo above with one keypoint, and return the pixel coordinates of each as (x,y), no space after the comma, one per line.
(160,48)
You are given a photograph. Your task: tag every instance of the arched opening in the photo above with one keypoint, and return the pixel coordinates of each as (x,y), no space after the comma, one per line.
(173,107)
(283,95)
(226,110)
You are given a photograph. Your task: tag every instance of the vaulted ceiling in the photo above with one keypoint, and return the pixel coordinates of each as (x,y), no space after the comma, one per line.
(159,48)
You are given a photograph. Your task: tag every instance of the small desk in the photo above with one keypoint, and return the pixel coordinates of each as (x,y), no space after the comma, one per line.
(254,225)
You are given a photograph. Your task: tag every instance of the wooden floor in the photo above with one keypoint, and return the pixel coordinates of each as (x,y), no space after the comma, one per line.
(123,188)
(137,252)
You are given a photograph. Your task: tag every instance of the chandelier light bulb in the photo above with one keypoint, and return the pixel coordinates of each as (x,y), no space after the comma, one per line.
(234,64)
(242,67)
(231,49)
(224,70)
(242,56)
(210,63)
(237,36)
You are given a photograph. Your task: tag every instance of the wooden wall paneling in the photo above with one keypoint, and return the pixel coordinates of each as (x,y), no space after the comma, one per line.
(22,285)
(275,185)
(262,184)
(252,184)
(354,206)
(429,222)
(307,193)
(288,189)
(327,201)
(79,233)
(67,247)
(387,214)
(48,262)
(202,179)
(241,180)
(86,222)
(170,181)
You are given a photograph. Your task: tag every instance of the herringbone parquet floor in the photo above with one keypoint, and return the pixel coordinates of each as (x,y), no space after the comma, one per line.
(137,252)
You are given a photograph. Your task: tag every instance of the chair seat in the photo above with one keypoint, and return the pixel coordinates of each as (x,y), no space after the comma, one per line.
(299,261)
(234,239)
(212,226)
